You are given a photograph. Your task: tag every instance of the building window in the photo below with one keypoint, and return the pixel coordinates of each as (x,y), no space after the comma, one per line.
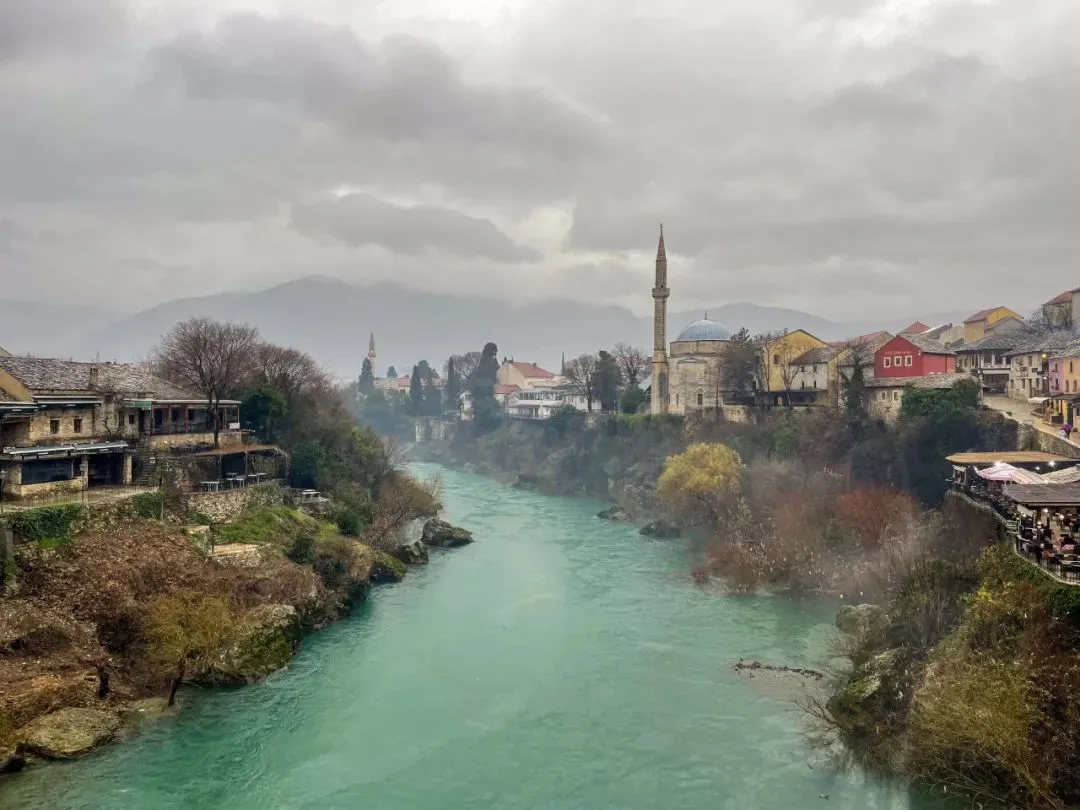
(700,399)
(887,362)
(191,414)
(175,416)
(776,359)
(48,472)
(907,359)
(54,426)
(131,419)
(895,395)
(77,425)
(884,394)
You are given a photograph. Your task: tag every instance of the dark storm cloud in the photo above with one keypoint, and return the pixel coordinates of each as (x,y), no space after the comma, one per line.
(360,219)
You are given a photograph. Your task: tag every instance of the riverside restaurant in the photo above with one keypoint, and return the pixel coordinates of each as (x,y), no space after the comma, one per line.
(1038,495)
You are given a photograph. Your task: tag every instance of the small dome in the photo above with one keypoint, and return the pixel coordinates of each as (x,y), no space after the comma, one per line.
(704,330)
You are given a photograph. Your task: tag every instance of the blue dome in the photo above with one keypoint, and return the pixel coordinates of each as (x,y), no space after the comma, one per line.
(704,330)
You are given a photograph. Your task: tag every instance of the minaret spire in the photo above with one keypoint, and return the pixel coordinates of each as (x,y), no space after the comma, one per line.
(660,293)
(371,352)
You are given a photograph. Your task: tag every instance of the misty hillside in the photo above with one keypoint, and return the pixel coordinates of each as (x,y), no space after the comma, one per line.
(47,329)
(332,319)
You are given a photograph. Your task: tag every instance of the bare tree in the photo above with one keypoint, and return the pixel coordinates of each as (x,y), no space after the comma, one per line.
(581,377)
(288,371)
(209,356)
(633,362)
(464,365)
(714,381)
(767,358)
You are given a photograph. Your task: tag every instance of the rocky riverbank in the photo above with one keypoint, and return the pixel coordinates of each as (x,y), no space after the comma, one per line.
(80,665)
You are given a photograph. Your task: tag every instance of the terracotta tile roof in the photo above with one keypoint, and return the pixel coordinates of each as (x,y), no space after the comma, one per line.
(43,375)
(507,389)
(981,315)
(1064,298)
(533,371)
(916,328)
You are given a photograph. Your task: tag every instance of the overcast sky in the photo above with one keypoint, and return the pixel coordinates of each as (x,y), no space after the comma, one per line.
(850,158)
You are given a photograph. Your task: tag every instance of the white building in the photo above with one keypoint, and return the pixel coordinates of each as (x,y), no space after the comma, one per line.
(541,403)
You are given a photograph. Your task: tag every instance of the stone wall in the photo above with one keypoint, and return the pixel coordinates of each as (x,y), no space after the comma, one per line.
(227,505)
(1029,437)
(39,430)
(170,441)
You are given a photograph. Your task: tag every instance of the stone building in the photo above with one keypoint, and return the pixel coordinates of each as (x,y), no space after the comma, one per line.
(67,426)
(690,377)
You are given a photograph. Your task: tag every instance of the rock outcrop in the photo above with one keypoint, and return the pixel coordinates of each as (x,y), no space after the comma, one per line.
(440,534)
(386,569)
(661,529)
(268,640)
(613,513)
(70,733)
(860,620)
(414,553)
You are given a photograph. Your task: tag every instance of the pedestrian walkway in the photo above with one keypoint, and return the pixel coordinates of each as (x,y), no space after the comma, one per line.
(1024,413)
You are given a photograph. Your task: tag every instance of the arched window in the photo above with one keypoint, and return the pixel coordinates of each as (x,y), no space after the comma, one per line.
(700,399)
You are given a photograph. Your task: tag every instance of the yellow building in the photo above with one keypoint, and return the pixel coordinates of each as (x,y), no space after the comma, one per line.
(781,381)
(996,319)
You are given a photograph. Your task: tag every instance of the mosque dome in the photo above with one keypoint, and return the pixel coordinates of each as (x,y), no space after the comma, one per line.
(703,330)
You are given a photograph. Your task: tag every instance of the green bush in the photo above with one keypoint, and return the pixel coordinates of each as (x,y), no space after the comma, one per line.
(276,524)
(302,551)
(148,505)
(47,522)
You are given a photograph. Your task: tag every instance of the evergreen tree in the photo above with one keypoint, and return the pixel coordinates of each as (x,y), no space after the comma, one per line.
(391,373)
(482,386)
(366,384)
(433,404)
(607,381)
(453,385)
(416,392)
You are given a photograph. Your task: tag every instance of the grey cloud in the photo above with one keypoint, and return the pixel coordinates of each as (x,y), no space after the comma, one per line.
(788,152)
(361,219)
(404,89)
(36,27)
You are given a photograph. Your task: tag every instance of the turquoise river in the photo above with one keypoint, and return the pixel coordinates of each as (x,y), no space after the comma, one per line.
(558,663)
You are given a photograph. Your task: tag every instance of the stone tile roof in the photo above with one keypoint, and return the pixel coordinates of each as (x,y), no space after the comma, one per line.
(928,381)
(45,375)
(928,345)
(1047,342)
(822,354)
(996,342)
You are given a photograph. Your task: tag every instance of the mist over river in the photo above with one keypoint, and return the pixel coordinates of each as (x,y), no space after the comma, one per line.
(559,663)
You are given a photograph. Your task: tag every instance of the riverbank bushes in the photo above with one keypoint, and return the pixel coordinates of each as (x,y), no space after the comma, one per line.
(970,684)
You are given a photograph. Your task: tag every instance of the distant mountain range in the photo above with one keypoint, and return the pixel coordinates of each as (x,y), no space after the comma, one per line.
(331,320)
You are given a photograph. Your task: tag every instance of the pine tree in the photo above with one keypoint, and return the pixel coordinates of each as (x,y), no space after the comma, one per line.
(416,393)
(453,386)
(366,384)
(391,373)
(482,386)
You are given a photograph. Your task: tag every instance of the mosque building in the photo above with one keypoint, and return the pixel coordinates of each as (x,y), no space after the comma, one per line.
(690,377)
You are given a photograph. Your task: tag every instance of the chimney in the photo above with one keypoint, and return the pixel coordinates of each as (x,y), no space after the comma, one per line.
(94,374)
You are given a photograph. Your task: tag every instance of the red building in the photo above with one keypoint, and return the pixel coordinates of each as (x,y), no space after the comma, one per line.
(913,356)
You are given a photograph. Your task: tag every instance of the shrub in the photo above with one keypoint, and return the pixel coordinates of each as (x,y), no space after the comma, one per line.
(149,505)
(302,551)
(700,481)
(47,522)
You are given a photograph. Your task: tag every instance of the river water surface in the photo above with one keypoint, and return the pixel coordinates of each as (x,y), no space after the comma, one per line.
(559,663)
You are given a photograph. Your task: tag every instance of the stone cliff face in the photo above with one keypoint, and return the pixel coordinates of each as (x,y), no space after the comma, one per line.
(73,657)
